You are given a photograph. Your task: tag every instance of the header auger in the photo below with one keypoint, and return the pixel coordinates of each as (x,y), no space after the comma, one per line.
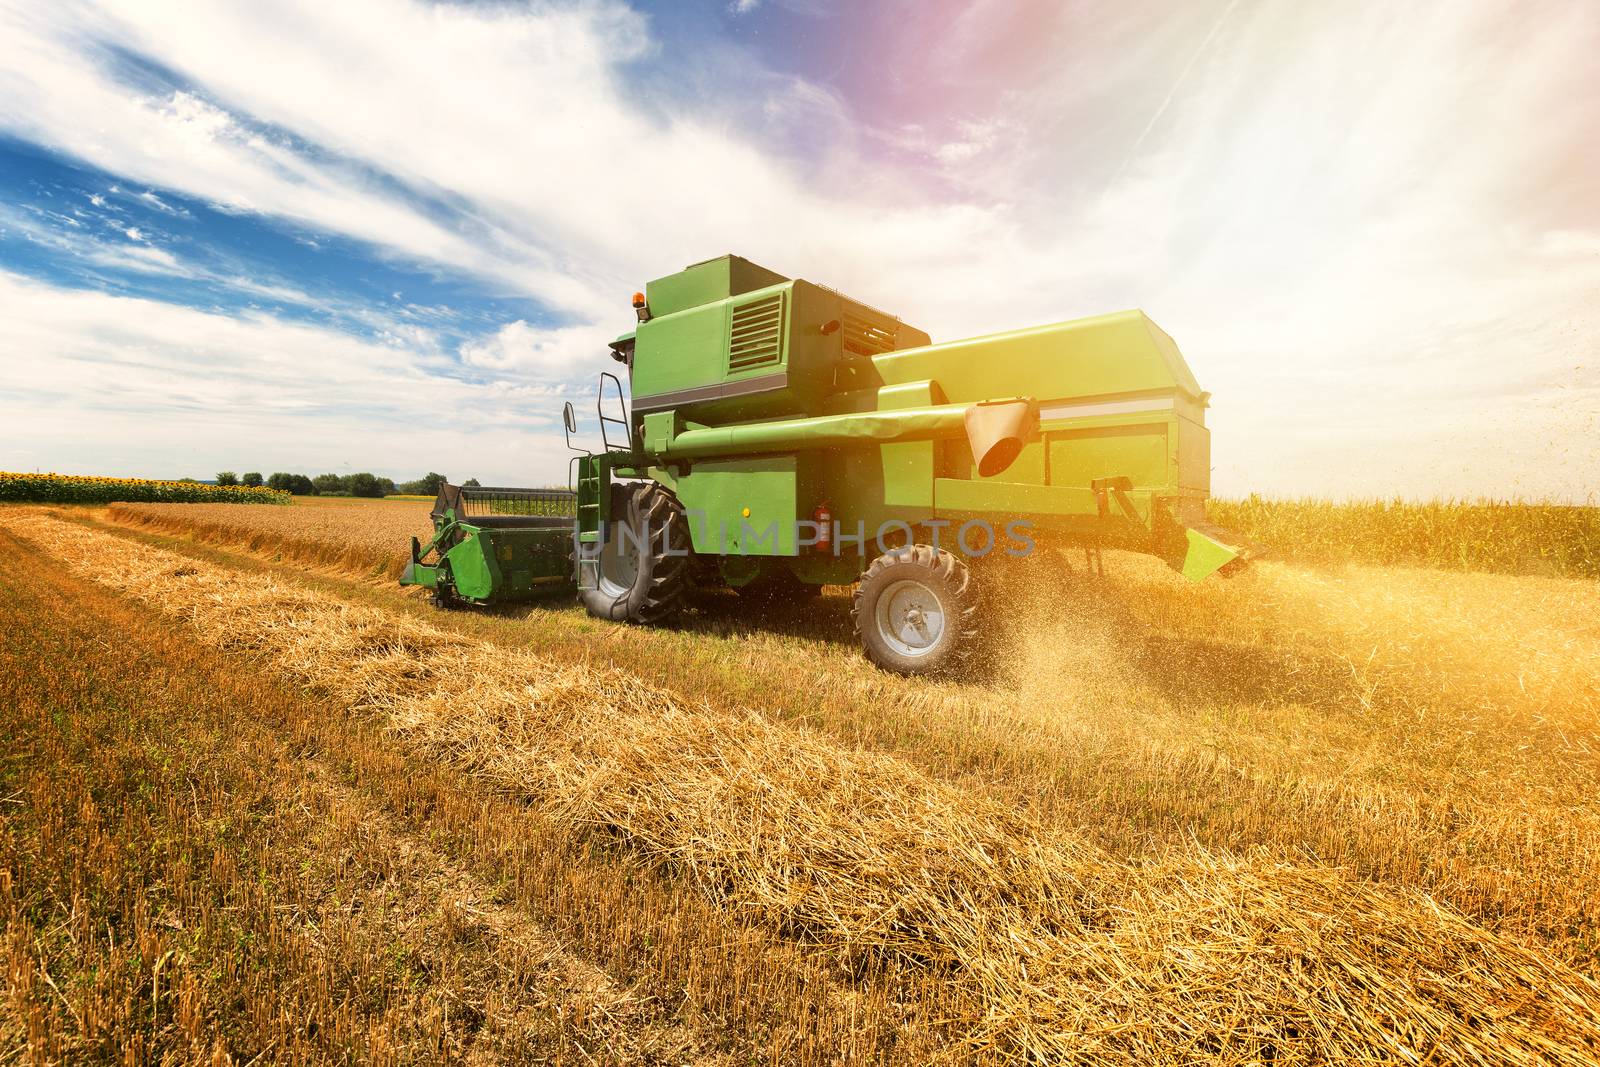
(784,437)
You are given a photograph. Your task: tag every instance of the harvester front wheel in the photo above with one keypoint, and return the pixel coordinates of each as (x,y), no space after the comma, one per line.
(916,611)
(643,570)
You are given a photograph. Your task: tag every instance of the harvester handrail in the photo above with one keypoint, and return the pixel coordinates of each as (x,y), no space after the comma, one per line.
(612,420)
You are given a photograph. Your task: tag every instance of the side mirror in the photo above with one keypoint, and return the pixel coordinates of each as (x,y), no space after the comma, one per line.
(569,420)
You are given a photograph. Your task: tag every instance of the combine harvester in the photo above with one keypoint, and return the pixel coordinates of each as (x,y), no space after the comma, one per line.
(784,437)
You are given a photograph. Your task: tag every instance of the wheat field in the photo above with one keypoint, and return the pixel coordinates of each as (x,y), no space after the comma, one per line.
(1510,537)
(1312,814)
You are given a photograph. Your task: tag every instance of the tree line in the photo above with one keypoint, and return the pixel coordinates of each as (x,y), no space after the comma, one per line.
(362,483)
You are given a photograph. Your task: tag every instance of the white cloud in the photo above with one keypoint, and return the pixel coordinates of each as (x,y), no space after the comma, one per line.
(152,200)
(468,134)
(179,391)
(955,149)
(1370,227)
(545,353)
(141,258)
(147,258)
(77,244)
(524,88)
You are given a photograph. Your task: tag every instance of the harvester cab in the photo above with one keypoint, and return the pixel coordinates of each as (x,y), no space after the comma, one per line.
(783,437)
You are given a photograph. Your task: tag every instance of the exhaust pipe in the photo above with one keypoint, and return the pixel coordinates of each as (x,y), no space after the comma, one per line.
(997,430)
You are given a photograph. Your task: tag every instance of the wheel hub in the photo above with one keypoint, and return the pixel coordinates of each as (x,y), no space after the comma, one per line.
(619,564)
(911,617)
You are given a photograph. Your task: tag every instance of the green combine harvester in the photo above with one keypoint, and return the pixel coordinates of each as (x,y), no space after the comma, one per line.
(783,437)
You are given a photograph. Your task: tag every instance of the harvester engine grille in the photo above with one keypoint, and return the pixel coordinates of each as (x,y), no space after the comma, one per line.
(865,337)
(755,336)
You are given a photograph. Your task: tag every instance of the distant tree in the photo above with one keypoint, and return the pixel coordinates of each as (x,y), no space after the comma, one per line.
(427,485)
(227,478)
(330,485)
(364,483)
(298,484)
(388,486)
(250,478)
(472,483)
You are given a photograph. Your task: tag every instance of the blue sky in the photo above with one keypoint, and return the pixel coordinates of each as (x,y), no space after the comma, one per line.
(82,227)
(393,235)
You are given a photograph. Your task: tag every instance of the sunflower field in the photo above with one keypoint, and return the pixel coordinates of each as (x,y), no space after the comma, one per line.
(89,489)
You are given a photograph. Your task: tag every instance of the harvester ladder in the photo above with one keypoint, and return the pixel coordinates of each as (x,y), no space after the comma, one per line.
(591,483)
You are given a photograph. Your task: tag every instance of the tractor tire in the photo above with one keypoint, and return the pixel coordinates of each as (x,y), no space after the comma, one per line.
(916,611)
(644,577)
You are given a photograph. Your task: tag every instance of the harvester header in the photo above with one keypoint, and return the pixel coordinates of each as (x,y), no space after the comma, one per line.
(775,421)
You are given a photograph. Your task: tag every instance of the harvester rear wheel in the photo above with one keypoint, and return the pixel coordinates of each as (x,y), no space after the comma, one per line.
(916,611)
(643,575)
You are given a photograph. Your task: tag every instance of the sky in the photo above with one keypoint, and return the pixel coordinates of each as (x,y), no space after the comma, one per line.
(395,236)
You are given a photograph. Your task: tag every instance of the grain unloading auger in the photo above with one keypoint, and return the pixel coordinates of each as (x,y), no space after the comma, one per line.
(784,437)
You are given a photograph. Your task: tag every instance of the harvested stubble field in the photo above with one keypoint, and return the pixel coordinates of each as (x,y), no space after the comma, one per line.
(1303,816)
